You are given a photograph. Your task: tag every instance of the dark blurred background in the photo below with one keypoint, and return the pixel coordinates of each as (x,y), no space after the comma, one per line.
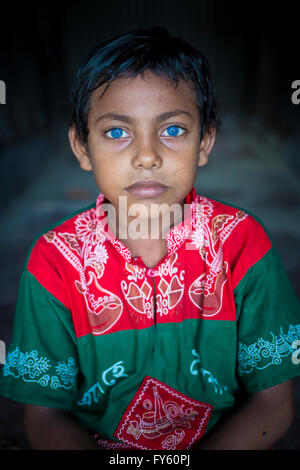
(253,51)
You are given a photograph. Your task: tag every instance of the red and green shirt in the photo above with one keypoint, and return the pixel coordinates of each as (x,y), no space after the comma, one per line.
(152,358)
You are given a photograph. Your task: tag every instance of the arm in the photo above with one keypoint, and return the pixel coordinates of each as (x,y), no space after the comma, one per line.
(52,429)
(258,425)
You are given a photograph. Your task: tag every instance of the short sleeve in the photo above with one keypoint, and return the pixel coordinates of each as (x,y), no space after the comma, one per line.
(41,366)
(268,325)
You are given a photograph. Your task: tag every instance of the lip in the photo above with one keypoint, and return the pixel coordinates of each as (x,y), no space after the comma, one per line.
(147,188)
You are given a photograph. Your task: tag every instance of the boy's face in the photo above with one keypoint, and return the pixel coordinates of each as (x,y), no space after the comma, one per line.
(143,129)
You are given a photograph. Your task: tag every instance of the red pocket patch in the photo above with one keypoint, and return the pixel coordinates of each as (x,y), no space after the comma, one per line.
(162,418)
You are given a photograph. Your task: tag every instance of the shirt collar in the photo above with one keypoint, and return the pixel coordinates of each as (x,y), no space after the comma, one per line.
(175,238)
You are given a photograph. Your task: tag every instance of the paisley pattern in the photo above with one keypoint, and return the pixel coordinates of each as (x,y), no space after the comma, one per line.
(265,353)
(31,367)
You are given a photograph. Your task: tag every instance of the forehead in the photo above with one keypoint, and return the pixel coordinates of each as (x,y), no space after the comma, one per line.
(144,95)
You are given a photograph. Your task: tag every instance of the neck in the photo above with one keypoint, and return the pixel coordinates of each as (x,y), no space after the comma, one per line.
(153,226)
(150,251)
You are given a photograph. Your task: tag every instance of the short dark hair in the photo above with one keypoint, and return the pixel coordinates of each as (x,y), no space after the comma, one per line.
(130,54)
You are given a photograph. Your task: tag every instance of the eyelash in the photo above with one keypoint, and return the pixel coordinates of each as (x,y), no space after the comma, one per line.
(122,130)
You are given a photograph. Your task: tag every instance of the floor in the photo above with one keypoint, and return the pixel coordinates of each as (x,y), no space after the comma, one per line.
(249,166)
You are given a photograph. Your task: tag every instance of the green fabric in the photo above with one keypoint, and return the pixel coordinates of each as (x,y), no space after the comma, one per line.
(268,323)
(171,353)
(96,377)
(247,212)
(41,364)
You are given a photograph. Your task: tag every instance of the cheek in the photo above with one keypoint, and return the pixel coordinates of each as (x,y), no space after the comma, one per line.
(109,175)
(101,159)
(183,174)
(184,162)
(178,145)
(186,149)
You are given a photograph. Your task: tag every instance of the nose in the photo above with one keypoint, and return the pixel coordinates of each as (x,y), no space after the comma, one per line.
(146,154)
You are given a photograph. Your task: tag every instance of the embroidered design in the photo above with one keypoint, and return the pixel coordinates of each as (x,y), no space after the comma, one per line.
(176,237)
(71,241)
(264,353)
(168,268)
(97,259)
(136,272)
(139,298)
(107,298)
(92,395)
(109,444)
(31,368)
(211,303)
(104,308)
(209,235)
(121,248)
(219,389)
(88,228)
(160,417)
(168,295)
(100,215)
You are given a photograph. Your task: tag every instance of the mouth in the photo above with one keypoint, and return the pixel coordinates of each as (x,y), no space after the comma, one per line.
(147,188)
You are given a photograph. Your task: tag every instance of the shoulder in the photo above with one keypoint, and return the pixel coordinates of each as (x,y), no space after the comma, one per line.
(237,233)
(55,252)
(42,245)
(219,214)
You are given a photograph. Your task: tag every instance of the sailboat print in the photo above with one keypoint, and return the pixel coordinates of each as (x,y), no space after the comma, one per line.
(161,418)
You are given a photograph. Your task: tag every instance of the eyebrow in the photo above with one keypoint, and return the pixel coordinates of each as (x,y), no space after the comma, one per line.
(124,118)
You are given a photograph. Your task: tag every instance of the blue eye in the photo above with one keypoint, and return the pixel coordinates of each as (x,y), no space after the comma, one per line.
(173,131)
(116,133)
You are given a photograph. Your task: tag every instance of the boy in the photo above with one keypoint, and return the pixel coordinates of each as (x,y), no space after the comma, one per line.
(183,340)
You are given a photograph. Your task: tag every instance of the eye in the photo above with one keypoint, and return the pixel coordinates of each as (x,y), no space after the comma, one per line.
(116,133)
(173,131)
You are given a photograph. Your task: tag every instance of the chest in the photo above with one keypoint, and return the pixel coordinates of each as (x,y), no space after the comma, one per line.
(113,294)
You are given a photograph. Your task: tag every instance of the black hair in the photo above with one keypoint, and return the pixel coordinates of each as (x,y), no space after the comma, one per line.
(130,54)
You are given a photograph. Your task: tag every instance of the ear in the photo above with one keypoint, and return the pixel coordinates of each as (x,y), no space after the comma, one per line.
(206,146)
(79,149)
